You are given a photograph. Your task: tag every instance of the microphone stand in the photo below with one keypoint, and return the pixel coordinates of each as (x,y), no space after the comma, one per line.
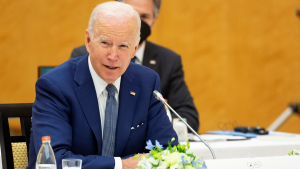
(160,98)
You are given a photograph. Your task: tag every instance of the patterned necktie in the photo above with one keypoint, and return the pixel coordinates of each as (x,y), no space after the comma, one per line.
(110,124)
(133,59)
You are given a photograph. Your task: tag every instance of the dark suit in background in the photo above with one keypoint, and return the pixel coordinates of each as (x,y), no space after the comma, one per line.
(168,65)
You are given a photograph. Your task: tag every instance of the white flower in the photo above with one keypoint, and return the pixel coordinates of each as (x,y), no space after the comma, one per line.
(164,154)
(145,164)
(162,165)
(176,166)
(174,160)
(153,160)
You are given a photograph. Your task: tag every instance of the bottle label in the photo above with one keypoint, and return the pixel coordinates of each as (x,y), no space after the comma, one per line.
(45,166)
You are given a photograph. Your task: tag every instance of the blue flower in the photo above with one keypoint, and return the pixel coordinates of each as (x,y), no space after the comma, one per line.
(203,167)
(149,145)
(183,160)
(158,145)
(195,163)
(150,155)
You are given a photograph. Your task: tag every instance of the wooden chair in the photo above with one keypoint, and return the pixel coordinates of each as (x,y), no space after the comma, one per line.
(14,149)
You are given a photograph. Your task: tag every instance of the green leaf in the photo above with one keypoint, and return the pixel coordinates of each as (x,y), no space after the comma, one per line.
(179,147)
(174,149)
(169,146)
(183,148)
(137,155)
(191,155)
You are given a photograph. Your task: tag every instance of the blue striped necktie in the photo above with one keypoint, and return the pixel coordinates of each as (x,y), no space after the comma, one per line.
(110,124)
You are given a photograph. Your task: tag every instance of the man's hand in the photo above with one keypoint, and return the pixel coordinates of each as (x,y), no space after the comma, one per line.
(130,163)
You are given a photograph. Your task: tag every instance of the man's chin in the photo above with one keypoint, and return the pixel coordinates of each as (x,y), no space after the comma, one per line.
(110,80)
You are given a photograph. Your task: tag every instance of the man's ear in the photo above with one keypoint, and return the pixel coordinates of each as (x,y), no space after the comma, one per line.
(87,40)
(135,49)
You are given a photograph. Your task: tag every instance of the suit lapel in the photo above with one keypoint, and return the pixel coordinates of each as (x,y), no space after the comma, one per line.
(127,104)
(150,57)
(86,95)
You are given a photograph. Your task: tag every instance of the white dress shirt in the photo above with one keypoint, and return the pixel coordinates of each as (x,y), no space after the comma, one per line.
(140,53)
(100,86)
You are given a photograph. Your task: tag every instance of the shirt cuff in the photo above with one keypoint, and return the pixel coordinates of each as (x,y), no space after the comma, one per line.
(118,163)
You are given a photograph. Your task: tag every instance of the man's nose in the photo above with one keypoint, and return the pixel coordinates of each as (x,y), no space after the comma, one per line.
(113,54)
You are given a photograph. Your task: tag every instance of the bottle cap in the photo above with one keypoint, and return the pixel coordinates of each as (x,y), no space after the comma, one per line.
(46,138)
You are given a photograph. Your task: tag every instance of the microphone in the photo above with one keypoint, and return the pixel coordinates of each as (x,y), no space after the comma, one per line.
(159,97)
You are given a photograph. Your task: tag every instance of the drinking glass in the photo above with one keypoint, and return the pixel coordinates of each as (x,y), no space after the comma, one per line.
(180,129)
(71,163)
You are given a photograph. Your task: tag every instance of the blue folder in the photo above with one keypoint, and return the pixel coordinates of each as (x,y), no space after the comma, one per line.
(234,133)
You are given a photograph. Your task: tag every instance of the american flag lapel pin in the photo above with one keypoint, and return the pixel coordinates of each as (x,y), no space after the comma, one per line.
(132,93)
(152,62)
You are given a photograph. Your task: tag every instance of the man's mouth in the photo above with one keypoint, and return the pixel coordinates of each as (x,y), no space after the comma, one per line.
(110,67)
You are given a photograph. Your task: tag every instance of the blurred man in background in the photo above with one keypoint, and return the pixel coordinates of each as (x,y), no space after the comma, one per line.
(162,60)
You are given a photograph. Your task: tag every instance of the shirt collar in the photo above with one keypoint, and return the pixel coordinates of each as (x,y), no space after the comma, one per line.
(99,83)
(140,52)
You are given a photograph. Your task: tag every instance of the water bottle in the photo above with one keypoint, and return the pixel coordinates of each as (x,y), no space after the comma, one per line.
(45,158)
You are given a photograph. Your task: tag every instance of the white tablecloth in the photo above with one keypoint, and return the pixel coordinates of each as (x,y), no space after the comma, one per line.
(244,148)
(240,149)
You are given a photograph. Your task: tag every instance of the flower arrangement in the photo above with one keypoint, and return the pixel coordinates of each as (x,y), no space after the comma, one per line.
(171,158)
(294,153)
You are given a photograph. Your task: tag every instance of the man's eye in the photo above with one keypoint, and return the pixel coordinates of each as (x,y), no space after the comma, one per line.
(123,46)
(105,43)
(144,16)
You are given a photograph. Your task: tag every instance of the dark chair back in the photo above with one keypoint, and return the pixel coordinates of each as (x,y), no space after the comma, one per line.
(43,69)
(8,143)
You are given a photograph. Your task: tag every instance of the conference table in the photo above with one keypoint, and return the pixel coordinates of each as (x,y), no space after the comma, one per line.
(255,147)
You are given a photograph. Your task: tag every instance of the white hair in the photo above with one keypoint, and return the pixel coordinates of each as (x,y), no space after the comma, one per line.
(117,10)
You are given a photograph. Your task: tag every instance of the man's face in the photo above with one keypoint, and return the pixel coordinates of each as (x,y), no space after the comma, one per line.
(145,10)
(112,47)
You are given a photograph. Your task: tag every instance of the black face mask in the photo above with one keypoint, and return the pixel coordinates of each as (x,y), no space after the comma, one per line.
(145,31)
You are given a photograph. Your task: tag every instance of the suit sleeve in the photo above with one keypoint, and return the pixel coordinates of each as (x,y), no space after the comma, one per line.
(159,126)
(51,116)
(180,98)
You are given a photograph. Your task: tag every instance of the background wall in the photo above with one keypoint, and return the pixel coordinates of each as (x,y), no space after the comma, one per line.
(241,58)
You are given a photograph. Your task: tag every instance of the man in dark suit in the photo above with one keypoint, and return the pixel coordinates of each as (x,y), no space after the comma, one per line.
(100,107)
(162,60)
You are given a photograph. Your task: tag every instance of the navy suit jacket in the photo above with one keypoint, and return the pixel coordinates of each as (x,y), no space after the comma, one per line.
(173,87)
(66,108)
